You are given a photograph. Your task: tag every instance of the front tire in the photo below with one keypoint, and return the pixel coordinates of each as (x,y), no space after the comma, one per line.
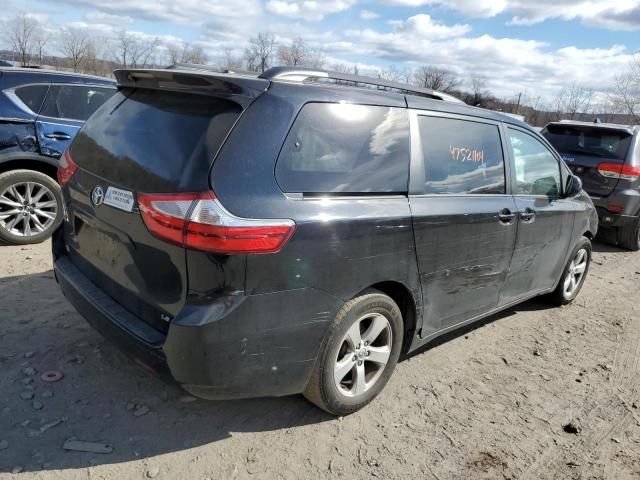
(30,207)
(358,354)
(574,274)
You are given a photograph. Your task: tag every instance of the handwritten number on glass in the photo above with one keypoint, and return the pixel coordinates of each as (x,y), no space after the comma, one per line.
(462,154)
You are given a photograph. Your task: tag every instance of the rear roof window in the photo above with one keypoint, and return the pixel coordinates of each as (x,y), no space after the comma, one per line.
(345,148)
(155,141)
(590,141)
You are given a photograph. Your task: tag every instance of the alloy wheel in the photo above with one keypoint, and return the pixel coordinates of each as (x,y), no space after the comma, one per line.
(577,269)
(363,354)
(27,209)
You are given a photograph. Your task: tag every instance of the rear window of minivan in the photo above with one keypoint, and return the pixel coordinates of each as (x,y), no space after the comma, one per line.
(590,141)
(339,148)
(155,141)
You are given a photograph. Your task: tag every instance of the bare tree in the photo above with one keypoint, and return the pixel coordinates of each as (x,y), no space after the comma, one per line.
(339,67)
(175,53)
(573,100)
(626,93)
(294,54)
(135,51)
(391,74)
(478,90)
(436,79)
(259,54)
(608,108)
(40,41)
(186,53)
(298,53)
(20,32)
(230,61)
(75,45)
(196,54)
(123,47)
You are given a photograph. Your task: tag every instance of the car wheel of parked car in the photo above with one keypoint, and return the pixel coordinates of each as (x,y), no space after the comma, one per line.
(574,274)
(30,207)
(358,355)
(629,237)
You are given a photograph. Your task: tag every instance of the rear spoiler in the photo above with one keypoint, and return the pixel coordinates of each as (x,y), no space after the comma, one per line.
(628,130)
(240,89)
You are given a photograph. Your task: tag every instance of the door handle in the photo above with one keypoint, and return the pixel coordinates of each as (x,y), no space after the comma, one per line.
(528,216)
(58,136)
(506,216)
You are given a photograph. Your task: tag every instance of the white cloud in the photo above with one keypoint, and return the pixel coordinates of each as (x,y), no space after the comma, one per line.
(108,19)
(308,9)
(368,15)
(191,12)
(472,8)
(419,28)
(510,65)
(611,14)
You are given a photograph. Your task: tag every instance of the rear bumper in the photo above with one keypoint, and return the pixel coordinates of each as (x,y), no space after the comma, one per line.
(614,220)
(240,347)
(128,332)
(626,200)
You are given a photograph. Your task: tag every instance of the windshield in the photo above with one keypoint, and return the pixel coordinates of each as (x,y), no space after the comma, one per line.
(592,141)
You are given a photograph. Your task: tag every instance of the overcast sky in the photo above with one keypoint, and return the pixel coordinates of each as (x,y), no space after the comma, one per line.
(519,45)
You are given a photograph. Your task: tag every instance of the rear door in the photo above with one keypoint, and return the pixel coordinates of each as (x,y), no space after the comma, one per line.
(64,111)
(464,218)
(545,217)
(585,148)
(142,141)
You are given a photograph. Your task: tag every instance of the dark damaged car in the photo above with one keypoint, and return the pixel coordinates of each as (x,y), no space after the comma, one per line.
(606,157)
(298,231)
(40,113)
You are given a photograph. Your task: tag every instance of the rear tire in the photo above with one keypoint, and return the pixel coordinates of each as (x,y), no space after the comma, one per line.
(346,377)
(577,269)
(33,193)
(629,237)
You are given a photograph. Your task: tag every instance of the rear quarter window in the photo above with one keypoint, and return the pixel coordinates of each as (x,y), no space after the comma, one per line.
(345,148)
(74,102)
(32,96)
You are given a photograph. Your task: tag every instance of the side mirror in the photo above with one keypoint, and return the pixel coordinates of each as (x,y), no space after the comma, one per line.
(574,186)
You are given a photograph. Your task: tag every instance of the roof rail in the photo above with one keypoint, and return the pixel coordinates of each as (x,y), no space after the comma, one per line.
(294,74)
(210,68)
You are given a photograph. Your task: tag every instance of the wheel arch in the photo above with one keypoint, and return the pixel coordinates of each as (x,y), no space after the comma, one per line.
(38,163)
(406,301)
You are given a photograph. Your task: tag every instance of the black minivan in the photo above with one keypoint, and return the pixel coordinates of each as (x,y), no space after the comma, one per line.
(300,230)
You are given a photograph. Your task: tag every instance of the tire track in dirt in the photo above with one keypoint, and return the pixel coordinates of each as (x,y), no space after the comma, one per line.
(610,412)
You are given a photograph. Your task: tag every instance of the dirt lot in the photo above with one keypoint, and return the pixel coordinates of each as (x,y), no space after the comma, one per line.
(493,402)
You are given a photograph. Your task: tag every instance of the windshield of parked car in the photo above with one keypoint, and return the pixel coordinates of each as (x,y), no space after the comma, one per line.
(592,141)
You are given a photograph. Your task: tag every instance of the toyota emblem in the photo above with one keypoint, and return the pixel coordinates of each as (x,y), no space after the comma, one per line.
(97,196)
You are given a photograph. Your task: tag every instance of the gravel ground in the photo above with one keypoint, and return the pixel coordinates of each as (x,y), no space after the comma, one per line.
(534,393)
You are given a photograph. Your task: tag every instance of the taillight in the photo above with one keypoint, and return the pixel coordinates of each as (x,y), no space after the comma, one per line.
(613,208)
(199,221)
(66,168)
(618,170)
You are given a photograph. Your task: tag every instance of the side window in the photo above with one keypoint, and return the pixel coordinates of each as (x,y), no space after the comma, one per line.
(537,170)
(461,156)
(345,148)
(74,101)
(32,96)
